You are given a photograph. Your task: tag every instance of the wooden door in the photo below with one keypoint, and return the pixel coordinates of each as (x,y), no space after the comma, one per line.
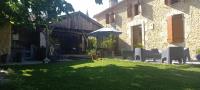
(137,36)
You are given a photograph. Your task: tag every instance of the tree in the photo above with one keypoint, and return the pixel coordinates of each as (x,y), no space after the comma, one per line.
(98,1)
(33,12)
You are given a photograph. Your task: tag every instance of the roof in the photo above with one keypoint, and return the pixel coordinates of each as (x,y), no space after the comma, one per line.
(110,8)
(77,20)
(87,17)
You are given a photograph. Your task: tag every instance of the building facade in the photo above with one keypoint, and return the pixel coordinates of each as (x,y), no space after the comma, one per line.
(155,23)
(71,33)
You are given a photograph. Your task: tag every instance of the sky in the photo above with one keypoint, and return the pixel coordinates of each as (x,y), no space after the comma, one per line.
(89,5)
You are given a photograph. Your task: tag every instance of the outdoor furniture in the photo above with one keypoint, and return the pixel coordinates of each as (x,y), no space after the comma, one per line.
(173,53)
(142,54)
(139,54)
(187,54)
(152,54)
(100,34)
(127,54)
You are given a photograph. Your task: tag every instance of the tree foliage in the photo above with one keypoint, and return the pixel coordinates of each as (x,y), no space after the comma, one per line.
(20,12)
(98,1)
(33,11)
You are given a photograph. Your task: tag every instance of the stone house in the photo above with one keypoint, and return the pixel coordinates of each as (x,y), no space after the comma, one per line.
(154,23)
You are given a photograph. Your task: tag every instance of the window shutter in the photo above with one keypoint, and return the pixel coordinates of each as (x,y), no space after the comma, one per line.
(136,7)
(107,18)
(175,29)
(169,29)
(178,28)
(112,17)
(129,11)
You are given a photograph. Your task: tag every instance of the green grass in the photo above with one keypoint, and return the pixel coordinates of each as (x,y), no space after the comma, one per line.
(108,74)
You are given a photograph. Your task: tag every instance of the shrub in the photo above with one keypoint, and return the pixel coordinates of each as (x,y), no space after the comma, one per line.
(92,52)
(198,51)
(92,45)
(108,42)
(139,45)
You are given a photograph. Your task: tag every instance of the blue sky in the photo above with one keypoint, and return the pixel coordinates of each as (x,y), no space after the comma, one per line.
(90,5)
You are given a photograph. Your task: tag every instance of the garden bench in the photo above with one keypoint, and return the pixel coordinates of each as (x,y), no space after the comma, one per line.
(173,53)
(127,54)
(152,54)
(142,54)
(187,54)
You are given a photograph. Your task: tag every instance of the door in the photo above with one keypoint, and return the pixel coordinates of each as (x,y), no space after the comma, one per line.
(137,36)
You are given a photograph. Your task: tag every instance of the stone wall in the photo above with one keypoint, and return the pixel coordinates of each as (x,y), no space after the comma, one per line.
(157,37)
(5,38)
(121,21)
(153,20)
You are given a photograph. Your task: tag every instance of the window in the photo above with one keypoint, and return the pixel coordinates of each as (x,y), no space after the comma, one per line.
(136,9)
(112,17)
(170,2)
(107,18)
(174,1)
(175,29)
(129,11)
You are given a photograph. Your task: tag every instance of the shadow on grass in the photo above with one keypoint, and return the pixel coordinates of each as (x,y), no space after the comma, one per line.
(108,77)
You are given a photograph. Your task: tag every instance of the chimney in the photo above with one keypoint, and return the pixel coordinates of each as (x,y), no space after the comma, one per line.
(112,2)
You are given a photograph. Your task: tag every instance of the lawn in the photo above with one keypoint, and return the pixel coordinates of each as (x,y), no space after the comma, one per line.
(107,74)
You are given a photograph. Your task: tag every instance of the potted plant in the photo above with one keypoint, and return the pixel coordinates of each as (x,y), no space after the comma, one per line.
(92,46)
(93,54)
(198,54)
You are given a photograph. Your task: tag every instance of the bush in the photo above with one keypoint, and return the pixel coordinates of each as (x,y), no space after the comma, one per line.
(92,52)
(198,51)
(92,45)
(108,42)
(139,45)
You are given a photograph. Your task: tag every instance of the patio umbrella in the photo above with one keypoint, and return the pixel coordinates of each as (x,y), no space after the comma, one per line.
(104,32)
